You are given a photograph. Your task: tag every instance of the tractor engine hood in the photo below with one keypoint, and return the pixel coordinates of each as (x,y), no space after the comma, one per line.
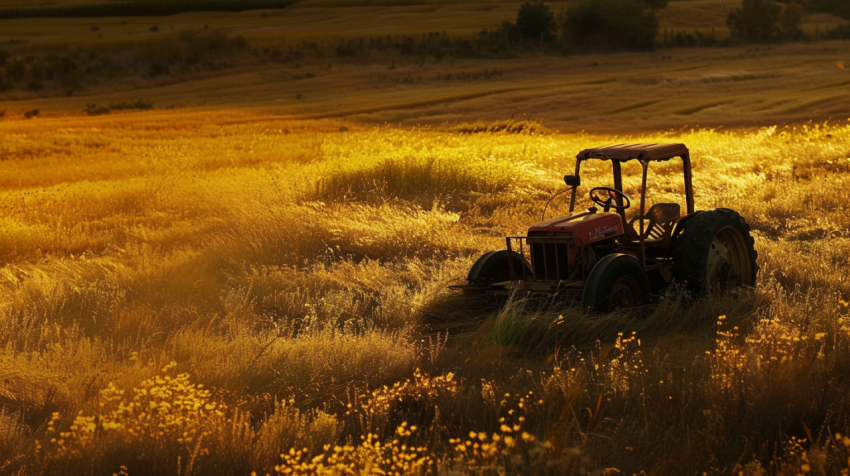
(586,226)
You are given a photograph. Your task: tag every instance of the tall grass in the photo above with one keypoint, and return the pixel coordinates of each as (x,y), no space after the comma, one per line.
(298,280)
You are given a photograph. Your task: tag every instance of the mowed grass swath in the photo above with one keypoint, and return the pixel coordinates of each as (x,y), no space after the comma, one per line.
(186,296)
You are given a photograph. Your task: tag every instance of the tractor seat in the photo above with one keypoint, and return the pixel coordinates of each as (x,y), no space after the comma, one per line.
(661,218)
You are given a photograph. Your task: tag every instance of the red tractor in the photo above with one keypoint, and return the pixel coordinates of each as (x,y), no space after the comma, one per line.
(618,263)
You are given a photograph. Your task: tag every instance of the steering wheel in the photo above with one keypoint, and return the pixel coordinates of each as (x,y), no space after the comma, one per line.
(605,197)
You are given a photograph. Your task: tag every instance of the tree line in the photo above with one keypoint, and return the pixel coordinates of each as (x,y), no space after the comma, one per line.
(179,53)
(633,24)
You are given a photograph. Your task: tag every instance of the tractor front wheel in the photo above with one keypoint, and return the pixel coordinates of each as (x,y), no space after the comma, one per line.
(618,281)
(714,253)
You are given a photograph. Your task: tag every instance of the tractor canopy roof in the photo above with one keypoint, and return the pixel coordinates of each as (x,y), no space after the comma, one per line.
(626,152)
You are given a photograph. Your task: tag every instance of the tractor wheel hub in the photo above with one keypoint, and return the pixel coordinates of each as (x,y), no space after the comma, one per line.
(720,269)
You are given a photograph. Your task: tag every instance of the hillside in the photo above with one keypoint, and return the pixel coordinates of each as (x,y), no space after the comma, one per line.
(729,87)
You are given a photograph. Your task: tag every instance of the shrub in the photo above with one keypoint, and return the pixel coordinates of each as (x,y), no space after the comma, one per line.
(139,104)
(535,21)
(95,110)
(611,24)
(240,43)
(790,21)
(158,68)
(16,69)
(756,21)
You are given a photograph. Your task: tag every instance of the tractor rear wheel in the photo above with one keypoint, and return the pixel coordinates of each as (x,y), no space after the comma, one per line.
(714,253)
(618,281)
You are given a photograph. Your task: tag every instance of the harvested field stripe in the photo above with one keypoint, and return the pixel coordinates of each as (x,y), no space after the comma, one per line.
(797,64)
(808,104)
(633,106)
(466,97)
(416,104)
(772,105)
(840,84)
(702,107)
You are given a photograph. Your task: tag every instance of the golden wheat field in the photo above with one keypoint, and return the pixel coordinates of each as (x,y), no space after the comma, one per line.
(185,292)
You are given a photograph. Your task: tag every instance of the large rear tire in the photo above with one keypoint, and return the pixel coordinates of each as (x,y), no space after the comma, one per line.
(618,281)
(714,253)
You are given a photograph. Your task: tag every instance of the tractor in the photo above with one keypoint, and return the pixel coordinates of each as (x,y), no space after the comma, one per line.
(617,263)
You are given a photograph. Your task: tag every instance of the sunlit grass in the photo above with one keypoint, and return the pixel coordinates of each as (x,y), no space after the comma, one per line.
(298,271)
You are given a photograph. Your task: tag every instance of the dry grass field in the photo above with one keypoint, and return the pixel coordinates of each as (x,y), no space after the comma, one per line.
(252,276)
(184,293)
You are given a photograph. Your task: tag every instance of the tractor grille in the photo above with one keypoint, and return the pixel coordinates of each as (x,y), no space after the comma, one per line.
(550,260)
(553,258)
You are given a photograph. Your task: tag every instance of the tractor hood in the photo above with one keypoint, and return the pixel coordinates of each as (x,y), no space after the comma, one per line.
(586,226)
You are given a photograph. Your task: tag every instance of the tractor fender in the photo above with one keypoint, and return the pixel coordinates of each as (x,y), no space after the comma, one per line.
(680,225)
(494,264)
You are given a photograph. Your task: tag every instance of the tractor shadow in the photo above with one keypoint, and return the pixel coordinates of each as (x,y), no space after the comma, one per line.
(458,313)
(541,325)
